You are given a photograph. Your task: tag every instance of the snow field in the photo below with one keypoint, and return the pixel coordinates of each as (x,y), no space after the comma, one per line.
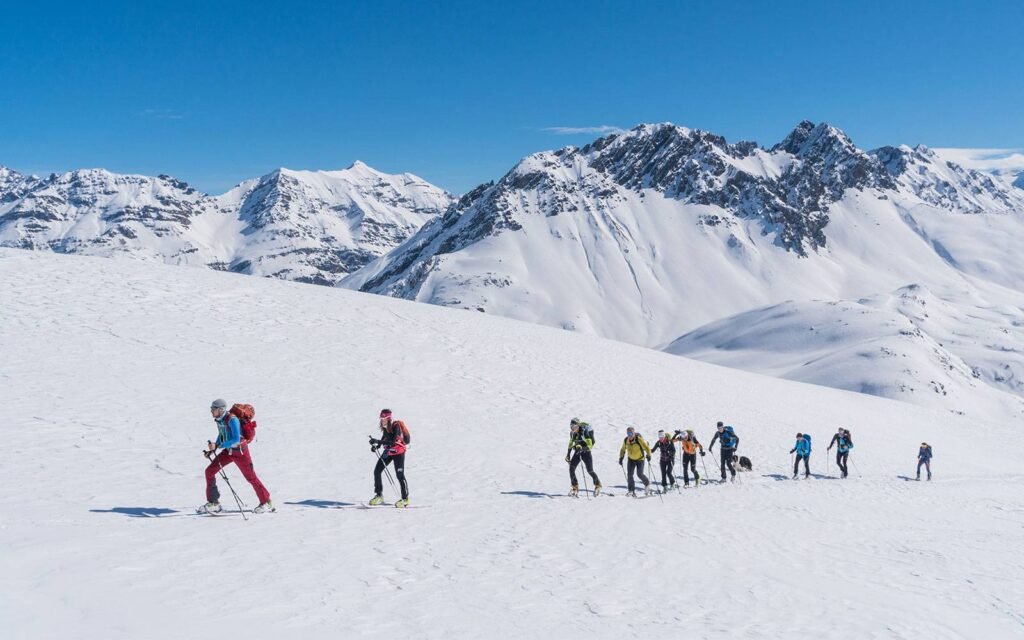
(109,366)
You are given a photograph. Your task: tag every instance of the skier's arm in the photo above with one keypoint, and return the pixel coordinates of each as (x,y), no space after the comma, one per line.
(737,443)
(234,434)
(713,440)
(657,445)
(835,439)
(643,445)
(622,451)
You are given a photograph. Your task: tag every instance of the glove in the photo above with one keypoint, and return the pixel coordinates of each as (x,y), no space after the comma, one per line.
(648,458)
(702,453)
(567,457)
(211,447)
(620,462)
(791,451)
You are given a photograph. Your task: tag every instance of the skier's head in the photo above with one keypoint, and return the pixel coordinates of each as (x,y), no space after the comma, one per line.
(721,425)
(630,432)
(574,427)
(574,422)
(799,435)
(218,407)
(661,434)
(385,417)
(688,434)
(841,431)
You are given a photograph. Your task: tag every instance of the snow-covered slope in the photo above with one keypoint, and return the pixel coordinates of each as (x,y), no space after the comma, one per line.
(109,367)
(298,225)
(910,345)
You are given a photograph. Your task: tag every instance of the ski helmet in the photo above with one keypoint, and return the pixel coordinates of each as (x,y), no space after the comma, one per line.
(574,422)
(219,403)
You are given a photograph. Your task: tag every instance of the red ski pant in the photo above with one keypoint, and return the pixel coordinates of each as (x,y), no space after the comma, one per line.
(243,459)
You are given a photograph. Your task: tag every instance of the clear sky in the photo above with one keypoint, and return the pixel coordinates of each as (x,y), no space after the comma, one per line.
(214,92)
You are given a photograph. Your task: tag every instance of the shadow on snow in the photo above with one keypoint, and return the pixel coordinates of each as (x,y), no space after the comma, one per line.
(137,512)
(323,504)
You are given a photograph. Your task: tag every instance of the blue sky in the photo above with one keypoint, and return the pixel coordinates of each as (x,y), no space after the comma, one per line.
(215,92)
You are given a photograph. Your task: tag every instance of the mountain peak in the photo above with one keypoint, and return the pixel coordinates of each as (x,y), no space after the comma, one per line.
(808,137)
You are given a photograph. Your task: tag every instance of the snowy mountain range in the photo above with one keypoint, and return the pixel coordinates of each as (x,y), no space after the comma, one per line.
(661,236)
(308,226)
(648,235)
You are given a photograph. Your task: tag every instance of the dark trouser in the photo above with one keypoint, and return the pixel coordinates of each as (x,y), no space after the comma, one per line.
(927,465)
(588,462)
(841,458)
(241,458)
(690,463)
(378,485)
(727,455)
(666,472)
(638,467)
(796,465)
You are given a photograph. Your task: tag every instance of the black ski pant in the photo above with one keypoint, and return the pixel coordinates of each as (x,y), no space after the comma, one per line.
(588,462)
(727,455)
(636,466)
(378,484)
(927,465)
(666,472)
(690,464)
(841,459)
(796,465)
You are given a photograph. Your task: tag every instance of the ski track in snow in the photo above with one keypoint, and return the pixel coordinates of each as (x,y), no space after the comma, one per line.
(109,366)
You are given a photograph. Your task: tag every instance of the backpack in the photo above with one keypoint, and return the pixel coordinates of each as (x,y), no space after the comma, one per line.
(807,437)
(245,414)
(587,432)
(729,438)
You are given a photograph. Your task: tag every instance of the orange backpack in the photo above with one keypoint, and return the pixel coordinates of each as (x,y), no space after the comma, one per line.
(245,414)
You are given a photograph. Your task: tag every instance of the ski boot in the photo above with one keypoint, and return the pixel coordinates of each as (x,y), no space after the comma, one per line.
(403,503)
(265,507)
(929,476)
(631,494)
(647,490)
(597,489)
(376,500)
(574,491)
(210,507)
(918,478)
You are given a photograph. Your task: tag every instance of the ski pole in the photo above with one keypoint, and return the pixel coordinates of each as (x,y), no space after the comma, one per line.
(586,489)
(703,465)
(384,466)
(652,476)
(792,461)
(220,467)
(856,468)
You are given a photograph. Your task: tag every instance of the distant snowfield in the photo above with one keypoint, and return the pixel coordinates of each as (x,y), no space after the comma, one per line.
(109,366)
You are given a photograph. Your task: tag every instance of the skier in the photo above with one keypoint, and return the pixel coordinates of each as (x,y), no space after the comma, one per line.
(394,440)
(234,449)
(637,448)
(689,445)
(843,444)
(730,441)
(924,457)
(581,443)
(668,457)
(802,448)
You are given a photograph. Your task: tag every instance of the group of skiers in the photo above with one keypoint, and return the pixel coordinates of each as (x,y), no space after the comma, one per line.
(236,429)
(635,451)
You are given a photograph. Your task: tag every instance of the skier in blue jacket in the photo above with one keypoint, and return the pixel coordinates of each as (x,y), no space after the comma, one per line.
(802,448)
(924,457)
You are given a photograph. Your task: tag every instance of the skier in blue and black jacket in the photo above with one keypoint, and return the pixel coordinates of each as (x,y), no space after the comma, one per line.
(843,443)
(802,449)
(924,457)
(730,441)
